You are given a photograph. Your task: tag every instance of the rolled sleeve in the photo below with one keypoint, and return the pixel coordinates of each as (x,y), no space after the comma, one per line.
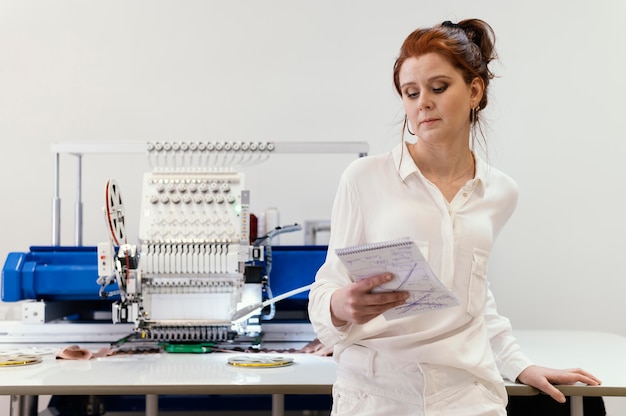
(345,229)
(321,318)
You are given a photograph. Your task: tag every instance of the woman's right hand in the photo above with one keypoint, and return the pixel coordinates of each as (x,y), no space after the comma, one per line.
(355,303)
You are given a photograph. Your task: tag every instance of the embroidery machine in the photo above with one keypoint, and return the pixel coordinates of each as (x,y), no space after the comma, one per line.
(195,270)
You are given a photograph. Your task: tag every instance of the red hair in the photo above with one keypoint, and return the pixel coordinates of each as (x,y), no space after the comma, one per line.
(468,45)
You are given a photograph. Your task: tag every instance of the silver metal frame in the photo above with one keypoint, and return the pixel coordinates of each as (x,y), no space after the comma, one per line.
(78,150)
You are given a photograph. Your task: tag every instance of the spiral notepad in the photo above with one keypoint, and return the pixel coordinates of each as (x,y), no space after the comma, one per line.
(402,258)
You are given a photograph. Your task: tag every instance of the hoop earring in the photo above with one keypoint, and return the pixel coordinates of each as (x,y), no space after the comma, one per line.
(474,126)
(406,125)
(473,112)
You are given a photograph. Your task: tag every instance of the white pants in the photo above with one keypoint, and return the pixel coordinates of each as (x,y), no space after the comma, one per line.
(368,384)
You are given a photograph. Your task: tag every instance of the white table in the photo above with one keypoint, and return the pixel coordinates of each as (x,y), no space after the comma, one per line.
(167,374)
(602,354)
(153,374)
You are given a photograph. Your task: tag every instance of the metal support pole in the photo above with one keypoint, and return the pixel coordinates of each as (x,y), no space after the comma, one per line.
(24,405)
(152,404)
(278,405)
(576,406)
(56,206)
(78,228)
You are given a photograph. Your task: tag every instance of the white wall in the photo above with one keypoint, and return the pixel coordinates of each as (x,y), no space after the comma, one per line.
(96,71)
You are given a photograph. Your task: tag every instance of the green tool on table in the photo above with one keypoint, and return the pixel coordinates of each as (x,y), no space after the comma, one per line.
(199,348)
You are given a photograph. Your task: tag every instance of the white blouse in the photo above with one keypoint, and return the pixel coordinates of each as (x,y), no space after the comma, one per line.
(384,197)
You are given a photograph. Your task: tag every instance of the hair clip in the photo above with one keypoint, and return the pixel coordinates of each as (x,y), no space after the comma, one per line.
(448,23)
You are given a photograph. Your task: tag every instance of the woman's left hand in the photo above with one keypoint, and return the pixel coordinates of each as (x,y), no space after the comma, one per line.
(543,379)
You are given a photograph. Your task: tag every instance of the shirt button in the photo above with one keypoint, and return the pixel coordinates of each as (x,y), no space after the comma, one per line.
(465,194)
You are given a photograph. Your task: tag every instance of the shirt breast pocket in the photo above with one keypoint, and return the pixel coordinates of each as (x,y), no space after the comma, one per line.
(477,293)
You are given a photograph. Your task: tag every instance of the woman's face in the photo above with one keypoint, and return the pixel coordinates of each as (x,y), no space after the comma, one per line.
(436,98)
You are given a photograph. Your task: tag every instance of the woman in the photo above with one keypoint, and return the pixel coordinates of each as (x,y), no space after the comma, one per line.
(436,191)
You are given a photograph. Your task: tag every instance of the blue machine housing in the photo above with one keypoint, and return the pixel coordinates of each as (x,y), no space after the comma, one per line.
(63,273)
(60,273)
(293,267)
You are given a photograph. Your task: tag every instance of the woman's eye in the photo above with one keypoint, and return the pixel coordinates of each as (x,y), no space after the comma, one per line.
(412,94)
(440,89)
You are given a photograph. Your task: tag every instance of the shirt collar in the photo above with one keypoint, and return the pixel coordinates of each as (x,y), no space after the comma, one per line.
(406,166)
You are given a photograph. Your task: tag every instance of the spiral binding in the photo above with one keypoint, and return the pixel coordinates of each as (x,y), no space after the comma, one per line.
(362,248)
